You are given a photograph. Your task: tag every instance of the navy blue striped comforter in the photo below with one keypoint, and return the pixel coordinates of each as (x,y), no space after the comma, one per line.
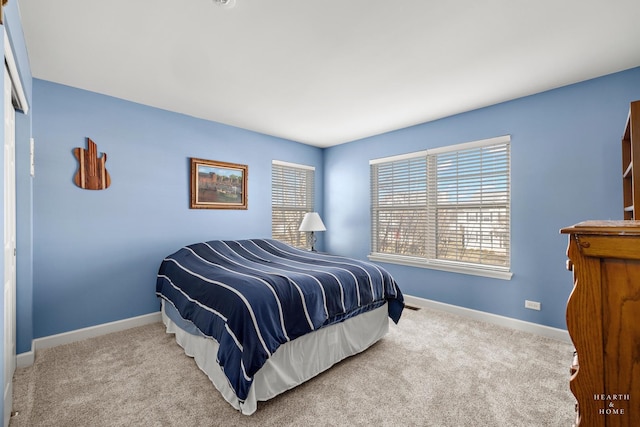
(254,295)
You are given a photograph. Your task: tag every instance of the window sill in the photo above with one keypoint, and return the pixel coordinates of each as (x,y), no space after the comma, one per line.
(452,267)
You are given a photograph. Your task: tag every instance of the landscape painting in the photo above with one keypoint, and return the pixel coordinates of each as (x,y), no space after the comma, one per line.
(218,185)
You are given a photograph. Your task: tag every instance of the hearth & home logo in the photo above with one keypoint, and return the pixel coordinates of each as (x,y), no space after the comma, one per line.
(611,402)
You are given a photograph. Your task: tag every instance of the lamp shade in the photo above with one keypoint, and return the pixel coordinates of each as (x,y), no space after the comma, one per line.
(312,222)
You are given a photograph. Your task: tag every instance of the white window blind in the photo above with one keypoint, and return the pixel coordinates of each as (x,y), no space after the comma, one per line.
(292,195)
(400,209)
(446,208)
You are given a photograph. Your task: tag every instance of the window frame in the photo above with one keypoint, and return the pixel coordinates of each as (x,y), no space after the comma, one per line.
(429,260)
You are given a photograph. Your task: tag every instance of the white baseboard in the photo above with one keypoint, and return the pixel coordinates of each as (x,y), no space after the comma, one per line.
(27,358)
(520,325)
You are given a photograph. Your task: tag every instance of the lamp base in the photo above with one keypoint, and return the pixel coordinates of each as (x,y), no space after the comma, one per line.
(312,241)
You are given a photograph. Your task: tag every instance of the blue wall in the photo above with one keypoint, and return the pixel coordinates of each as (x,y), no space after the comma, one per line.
(96,253)
(566,168)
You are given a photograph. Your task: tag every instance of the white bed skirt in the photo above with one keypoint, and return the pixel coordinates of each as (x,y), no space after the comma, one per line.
(294,362)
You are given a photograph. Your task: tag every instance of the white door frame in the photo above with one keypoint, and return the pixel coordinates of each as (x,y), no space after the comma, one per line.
(20,98)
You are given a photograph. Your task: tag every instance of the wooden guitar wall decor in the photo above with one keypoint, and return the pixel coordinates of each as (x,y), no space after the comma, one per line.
(91,174)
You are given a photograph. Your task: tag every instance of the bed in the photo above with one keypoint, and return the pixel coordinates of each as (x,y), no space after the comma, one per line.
(260,317)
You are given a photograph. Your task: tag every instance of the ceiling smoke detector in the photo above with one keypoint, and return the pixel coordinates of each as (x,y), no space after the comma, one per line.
(227,4)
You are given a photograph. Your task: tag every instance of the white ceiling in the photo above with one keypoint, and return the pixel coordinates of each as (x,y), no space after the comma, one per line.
(327,72)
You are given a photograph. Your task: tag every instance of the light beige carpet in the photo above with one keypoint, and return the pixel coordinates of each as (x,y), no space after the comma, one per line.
(433,369)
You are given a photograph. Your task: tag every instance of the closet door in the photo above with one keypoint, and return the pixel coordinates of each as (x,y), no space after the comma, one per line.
(9,248)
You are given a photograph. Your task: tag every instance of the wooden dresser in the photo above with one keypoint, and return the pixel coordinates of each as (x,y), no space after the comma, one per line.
(603,320)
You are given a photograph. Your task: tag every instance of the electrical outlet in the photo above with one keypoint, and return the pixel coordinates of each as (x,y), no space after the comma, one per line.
(533,305)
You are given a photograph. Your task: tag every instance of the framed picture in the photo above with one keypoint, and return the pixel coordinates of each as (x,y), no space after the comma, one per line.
(218,185)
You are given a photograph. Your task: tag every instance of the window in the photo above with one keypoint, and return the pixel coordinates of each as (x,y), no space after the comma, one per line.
(292,195)
(446,208)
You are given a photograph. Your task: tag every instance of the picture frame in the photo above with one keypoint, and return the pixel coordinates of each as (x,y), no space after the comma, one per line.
(218,185)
